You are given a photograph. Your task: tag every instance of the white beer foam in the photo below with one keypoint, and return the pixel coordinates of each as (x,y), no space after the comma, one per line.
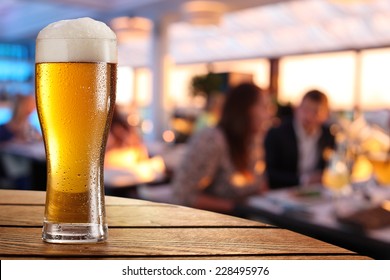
(77,40)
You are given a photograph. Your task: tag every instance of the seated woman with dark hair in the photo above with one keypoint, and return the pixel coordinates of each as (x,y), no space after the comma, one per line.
(223,165)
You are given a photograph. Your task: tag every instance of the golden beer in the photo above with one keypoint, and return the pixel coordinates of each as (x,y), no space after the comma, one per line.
(75,92)
(381,166)
(75,103)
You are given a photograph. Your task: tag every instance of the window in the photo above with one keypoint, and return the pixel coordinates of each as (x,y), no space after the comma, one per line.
(332,73)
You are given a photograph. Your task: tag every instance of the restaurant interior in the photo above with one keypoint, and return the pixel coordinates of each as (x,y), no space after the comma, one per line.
(174,54)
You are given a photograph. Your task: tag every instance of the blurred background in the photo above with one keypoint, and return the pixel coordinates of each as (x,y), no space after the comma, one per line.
(174,53)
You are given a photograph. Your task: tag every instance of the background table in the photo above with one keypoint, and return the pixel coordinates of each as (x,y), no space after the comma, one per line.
(119,181)
(144,230)
(314,216)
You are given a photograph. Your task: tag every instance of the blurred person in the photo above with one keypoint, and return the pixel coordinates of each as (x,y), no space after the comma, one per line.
(212,113)
(126,151)
(223,165)
(122,134)
(295,149)
(285,112)
(124,138)
(19,128)
(15,170)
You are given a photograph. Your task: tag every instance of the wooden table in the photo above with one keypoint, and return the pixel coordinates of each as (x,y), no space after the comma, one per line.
(144,230)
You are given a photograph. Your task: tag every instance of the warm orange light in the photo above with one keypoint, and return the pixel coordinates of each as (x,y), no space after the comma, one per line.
(131,28)
(131,161)
(372,145)
(203,12)
(240,180)
(150,169)
(382,171)
(122,158)
(336,178)
(157,164)
(182,125)
(362,169)
(133,119)
(386,205)
(143,172)
(260,167)
(168,136)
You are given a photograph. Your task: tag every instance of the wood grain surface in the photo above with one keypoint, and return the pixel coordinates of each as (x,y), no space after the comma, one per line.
(142,230)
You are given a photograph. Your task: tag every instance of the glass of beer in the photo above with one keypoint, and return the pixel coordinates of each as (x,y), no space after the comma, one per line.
(76,65)
(381,165)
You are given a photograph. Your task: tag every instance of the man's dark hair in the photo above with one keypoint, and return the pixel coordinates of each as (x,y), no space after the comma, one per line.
(316,96)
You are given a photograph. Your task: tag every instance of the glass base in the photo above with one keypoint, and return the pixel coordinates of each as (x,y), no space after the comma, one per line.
(74,233)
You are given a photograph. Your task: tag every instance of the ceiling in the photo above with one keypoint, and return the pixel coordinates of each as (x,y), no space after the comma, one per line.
(250,28)
(22,19)
(293,27)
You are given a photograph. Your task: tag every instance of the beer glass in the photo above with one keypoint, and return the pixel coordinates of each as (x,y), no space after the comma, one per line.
(75,90)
